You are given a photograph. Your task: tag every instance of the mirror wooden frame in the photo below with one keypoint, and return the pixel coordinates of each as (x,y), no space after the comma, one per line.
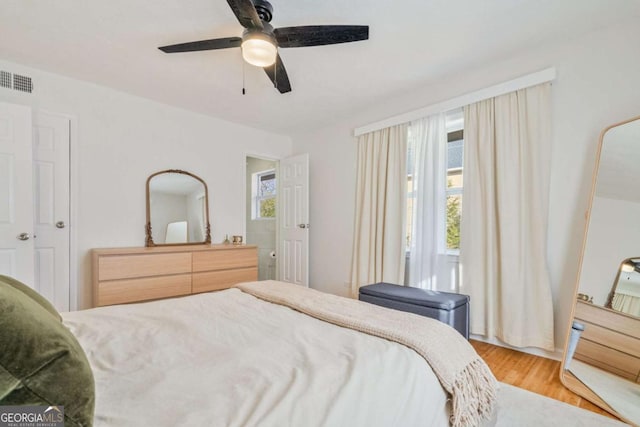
(568,381)
(148,234)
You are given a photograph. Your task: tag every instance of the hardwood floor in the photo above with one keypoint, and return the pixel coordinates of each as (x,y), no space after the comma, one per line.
(533,373)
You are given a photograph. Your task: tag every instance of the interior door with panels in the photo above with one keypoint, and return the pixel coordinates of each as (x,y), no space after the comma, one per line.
(34,201)
(51,137)
(16,200)
(294,220)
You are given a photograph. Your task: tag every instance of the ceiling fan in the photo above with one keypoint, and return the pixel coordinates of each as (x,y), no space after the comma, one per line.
(260,41)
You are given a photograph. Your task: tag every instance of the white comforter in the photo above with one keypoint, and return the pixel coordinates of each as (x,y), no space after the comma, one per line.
(230,359)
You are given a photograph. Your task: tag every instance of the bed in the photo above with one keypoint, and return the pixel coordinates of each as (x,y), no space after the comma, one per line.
(234,358)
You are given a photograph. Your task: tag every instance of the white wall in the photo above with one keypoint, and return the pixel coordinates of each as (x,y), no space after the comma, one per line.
(597,85)
(614,235)
(121,140)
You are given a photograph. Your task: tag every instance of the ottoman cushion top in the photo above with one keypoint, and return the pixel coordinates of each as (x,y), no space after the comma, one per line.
(417,296)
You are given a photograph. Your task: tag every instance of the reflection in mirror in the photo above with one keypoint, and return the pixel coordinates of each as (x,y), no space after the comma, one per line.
(177,232)
(614,229)
(625,294)
(177,209)
(605,367)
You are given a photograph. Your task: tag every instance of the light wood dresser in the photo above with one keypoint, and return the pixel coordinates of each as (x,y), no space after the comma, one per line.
(610,340)
(123,275)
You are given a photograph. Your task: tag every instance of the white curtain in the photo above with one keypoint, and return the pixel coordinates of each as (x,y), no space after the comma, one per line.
(379,229)
(504,217)
(626,303)
(427,145)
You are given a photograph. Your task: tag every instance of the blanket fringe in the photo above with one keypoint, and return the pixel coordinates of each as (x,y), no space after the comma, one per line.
(474,395)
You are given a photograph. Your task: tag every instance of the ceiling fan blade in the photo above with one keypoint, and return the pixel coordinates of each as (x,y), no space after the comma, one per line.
(246,13)
(318,35)
(203,45)
(278,75)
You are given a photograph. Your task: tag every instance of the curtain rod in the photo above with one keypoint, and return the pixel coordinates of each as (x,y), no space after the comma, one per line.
(522,82)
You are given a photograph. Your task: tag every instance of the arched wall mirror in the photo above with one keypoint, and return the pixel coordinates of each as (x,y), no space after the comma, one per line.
(625,293)
(602,355)
(177,209)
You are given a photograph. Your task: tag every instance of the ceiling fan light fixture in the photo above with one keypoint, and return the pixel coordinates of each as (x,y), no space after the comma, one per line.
(628,267)
(259,49)
(260,42)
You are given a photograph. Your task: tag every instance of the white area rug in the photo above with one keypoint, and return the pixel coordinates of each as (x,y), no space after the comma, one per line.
(622,395)
(521,408)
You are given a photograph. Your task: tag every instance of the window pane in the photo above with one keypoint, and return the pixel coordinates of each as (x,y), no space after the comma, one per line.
(454,178)
(455,153)
(410,154)
(267,185)
(268,208)
(454,208)
(410,201)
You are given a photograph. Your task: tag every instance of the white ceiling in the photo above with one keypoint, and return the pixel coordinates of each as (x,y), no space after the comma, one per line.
(412,43)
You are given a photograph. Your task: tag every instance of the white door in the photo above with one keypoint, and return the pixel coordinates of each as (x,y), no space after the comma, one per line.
(16,201)
(34,197)
(51,208)
(294,220)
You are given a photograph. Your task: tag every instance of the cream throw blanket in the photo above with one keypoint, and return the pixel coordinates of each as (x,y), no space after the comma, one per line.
(462,373)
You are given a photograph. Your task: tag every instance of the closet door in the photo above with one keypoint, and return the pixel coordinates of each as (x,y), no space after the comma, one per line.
(16,193)
(34,201)
(51,207)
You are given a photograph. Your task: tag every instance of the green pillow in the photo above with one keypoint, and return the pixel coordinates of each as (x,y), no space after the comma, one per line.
(41,362)
(31,293)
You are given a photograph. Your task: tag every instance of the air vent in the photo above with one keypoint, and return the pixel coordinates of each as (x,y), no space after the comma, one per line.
(5,79)
(22,83)
(16,82)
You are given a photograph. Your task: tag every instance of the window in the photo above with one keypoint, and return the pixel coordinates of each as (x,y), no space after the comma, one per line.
(453,206)
(455,147)
(264,195)
(411,194)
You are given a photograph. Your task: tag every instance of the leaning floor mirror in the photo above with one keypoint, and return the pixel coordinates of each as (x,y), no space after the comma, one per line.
(177,209)
(602,355)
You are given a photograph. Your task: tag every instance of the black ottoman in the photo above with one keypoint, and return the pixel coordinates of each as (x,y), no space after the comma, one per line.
(452,309)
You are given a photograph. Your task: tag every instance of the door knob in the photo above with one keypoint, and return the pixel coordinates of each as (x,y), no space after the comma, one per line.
(23,236)
(60,224)
(303,225)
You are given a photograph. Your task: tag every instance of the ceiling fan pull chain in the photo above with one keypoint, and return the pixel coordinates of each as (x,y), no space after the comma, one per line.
(243,90)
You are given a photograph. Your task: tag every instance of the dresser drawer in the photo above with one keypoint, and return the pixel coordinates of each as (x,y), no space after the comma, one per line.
(612,339)
(132,290)
(608,359)
(225,259)
(132,266)
(613,320)
(216,280)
